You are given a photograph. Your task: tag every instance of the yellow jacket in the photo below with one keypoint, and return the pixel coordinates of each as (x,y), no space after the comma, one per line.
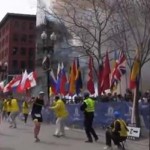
(8,105)
(5,105)
(60,109)
(25,108)
(14,105)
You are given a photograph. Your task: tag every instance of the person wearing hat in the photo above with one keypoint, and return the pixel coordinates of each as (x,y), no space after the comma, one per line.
(61,114)
(88,107)
(116,132)
(36,114)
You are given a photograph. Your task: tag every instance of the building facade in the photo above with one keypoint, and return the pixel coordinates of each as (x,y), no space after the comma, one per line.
(17,43)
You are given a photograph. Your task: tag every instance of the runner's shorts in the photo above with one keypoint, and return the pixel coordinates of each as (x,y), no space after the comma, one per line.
(37,117)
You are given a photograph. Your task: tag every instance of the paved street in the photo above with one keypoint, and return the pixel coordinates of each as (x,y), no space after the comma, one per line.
(22,139)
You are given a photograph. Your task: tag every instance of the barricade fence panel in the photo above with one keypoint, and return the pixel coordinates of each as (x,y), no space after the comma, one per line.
(103,114)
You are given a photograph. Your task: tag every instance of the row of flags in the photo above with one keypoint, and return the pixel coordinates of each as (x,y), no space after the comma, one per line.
(67,84)
(19,83)
(72,83)
(108,78)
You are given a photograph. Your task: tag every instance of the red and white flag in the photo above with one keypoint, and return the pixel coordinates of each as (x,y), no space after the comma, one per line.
(24,83)
(32,79)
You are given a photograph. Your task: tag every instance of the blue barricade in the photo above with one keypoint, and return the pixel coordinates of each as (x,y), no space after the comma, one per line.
(103,113)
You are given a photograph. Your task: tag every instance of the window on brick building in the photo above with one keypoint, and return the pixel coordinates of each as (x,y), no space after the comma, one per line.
(6,39)
(6,52)
(14,50)
(15,64)
(23,65)
(23,38)
(23,51)
(3,42)
(31,38)
(15,37)
(31,26)
(31,65)
(23,26)
(31,52)
(16,24)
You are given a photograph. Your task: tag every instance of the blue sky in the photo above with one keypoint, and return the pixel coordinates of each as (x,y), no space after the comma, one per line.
(17,6)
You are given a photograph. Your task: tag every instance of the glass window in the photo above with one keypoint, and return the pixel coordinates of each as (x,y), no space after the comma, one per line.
(23,51)
(14,50)
(15,63)
(23,26)
(15,37)
(31,26)
(23,65)
(31,65)
(16,24)
(23,38)
(6,39)
(31,52)
(31,38)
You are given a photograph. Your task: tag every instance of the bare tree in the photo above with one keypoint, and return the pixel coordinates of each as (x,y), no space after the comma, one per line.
(88,23)
(132,30)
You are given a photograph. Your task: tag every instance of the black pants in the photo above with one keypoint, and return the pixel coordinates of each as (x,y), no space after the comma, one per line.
(88,122)
(115,137)
(25,118)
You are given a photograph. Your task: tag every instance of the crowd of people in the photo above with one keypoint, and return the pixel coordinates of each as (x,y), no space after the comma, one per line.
(109,97)
(117,131)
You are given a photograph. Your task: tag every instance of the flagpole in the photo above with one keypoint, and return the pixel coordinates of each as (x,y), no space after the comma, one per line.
(126,78)
(133,107)
(120,87)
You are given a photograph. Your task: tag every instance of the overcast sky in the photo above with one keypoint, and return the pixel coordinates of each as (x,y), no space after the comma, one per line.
(17,6)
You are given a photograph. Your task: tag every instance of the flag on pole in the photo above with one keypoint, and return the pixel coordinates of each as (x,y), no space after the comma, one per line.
(105,84)
(58,78)
(2,84)
(32,80)
(14,83)
(24,83)
(100,75)
(118,71)
(113,81)
(90,83)
(135,71)
(63,80)
(78,78)
(53,83)
(72,86)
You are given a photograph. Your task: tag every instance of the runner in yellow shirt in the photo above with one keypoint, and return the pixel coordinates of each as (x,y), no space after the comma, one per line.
(25,110)
(14,112)
(4,110)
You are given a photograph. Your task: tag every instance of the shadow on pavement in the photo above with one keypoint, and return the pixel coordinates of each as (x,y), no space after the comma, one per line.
(6,148)
(53,143)
(3,134)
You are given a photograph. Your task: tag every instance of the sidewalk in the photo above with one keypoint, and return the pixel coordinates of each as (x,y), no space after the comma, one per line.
(22,139)
(142,142)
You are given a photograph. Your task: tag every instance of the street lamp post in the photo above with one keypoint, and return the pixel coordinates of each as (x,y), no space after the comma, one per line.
(3,69)
(48,51)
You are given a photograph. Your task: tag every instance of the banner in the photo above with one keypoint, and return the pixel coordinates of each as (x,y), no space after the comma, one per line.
(103,114)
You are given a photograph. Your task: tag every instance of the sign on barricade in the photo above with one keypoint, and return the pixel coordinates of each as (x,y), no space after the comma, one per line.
(133,132)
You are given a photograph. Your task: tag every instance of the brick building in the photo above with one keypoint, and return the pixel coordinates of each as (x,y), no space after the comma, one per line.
(17,43)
